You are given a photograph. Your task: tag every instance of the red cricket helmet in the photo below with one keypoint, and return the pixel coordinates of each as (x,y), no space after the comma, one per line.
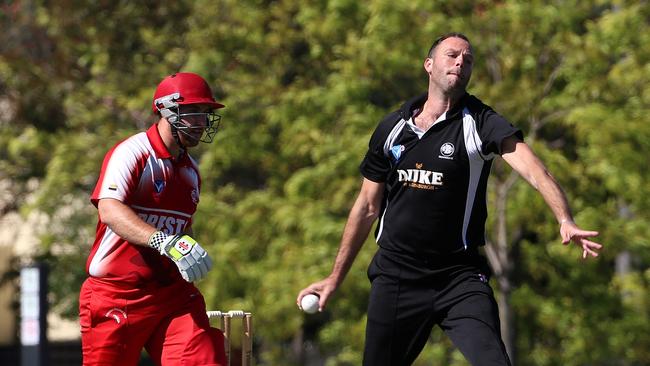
(183,88)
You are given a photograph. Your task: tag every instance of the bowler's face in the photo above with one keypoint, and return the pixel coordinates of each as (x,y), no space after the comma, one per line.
(450,66)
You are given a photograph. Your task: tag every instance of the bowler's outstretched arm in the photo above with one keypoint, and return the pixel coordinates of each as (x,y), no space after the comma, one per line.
(524,161)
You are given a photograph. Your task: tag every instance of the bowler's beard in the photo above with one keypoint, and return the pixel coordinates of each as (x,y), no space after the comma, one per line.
(458,87)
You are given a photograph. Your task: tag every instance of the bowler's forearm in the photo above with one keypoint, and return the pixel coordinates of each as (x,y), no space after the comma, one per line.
(554,196)
(522,159)
(363,214)
(355,234)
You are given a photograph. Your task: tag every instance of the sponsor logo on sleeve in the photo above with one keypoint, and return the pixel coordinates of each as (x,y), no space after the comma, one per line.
(112,187)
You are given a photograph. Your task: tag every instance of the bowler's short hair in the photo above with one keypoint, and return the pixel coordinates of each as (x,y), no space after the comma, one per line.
(443,37)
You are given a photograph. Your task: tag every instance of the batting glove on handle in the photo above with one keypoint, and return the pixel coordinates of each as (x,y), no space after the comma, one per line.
(191,259)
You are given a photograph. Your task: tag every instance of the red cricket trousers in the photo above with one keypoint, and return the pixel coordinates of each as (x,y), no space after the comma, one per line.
(169,322)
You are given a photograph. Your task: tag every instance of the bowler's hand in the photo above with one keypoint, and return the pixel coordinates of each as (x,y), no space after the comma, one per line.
(571,232)
(323,289)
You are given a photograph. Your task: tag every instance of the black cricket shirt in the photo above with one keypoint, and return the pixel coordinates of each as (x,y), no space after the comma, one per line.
(435,183)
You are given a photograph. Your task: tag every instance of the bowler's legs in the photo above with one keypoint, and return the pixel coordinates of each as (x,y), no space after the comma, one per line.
(472,323)
(399,323)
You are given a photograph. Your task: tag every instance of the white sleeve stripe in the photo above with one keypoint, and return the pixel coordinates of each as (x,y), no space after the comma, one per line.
(473,145)
(381,222)
(123,159)
(392,136)
(105,247)
(472,137)
(156,171)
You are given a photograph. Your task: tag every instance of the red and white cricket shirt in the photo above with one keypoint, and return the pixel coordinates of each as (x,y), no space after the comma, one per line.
(162,190)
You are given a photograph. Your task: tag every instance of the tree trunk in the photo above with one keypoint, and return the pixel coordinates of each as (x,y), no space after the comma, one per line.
(498,254)
(297,346)
(507,318)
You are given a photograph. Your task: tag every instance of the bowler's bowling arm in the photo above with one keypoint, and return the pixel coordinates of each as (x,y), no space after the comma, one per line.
(363,214)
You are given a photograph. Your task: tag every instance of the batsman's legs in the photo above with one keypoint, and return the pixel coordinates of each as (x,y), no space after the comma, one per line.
(186,338)
(110,335)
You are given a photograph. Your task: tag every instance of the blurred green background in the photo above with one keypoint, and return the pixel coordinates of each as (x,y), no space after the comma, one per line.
(304,84)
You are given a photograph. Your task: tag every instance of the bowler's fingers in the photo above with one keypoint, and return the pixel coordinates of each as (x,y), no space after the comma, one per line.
(590,248)
(576,235)
(311,289)
(302,294)
(586,233)
(322,299)
(321,289)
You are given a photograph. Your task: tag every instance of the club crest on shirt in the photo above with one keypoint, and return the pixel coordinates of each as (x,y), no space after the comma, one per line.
(447,151)
(397,151)
(158,185)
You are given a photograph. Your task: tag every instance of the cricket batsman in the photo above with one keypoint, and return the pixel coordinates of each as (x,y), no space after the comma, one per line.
(139,292)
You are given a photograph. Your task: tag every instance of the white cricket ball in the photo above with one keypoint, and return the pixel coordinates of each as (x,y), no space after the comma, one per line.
(309,304)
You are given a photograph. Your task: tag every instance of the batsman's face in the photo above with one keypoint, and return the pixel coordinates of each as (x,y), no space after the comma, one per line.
(194,121)
(450,66)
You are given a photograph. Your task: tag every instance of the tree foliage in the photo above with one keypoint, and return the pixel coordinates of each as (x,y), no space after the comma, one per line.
(304,84)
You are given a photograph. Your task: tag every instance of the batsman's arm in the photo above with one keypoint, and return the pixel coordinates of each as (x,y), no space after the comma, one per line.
(524,161)
(124,221)
(360,220)
(192,260)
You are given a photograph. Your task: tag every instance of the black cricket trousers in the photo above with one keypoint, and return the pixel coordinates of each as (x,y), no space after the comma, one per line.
(410,295)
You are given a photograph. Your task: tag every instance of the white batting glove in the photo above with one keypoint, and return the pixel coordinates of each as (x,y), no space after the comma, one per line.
(191,259)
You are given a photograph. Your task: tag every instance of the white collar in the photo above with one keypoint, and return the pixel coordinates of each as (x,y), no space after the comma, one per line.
(420,132)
